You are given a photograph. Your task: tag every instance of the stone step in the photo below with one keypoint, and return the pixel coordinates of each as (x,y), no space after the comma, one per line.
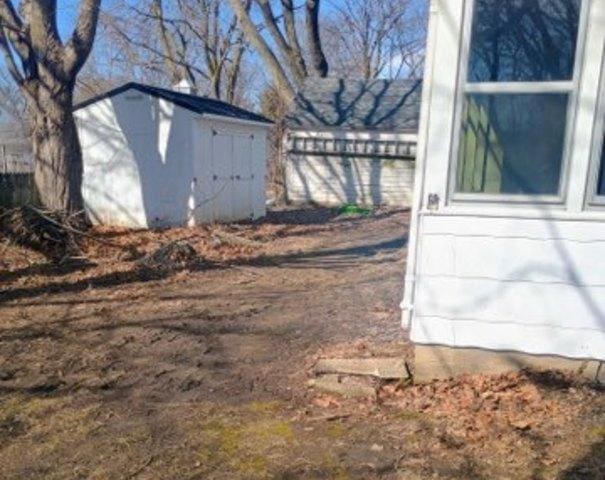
(332,383)
(385,368)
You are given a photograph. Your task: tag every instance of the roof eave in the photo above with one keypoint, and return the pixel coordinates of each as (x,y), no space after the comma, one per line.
(243,121)
(323,128)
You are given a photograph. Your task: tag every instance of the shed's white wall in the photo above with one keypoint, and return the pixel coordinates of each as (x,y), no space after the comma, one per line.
(501,276)
(146,163)
(137,160)
(338,179)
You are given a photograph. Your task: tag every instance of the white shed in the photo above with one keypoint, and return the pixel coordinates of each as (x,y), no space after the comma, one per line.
(156,158)
(352,141)
(507,243)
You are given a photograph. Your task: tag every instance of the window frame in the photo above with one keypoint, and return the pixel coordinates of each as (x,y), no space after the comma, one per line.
(597,143)
(463,87)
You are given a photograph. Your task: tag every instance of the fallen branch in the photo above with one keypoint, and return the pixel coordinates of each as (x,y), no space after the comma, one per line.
(330,418)
(232,239)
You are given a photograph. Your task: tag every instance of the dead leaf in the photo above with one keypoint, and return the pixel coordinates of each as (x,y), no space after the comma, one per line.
(521,425)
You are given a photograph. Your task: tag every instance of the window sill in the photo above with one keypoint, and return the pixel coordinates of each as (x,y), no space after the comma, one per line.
(535,212)
(504,200)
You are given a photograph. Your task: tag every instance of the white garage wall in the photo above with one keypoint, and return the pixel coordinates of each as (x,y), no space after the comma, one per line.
(331,180)
(338,179)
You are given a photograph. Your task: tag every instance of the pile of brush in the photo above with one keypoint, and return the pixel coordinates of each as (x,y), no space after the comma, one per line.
(172,256)
(54,234)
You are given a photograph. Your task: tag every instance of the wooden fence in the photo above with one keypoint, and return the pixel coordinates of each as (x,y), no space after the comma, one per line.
(16,173)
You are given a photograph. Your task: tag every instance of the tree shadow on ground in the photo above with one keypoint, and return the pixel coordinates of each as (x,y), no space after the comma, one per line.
(323,258)
(555,380)
(109,280)
(47,269)
(590,467)
(315,215)
(333,258)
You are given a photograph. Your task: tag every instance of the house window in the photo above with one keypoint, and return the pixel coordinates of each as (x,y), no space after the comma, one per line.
(517,97)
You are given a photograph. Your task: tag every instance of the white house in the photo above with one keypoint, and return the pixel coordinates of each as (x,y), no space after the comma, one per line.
(507,243)
(157,158)
(352,141)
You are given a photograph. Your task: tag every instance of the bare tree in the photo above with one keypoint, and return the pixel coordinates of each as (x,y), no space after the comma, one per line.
(45,69)
(376,38)
(279,44)
(196,40)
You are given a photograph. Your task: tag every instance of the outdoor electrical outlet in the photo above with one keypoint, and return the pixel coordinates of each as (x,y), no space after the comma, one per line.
(433,201)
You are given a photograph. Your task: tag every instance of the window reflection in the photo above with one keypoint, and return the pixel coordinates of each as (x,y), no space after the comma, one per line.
(512,143)
(523,40)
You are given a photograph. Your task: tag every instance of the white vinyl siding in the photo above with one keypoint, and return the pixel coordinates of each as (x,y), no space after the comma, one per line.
(485,272)
(497,284)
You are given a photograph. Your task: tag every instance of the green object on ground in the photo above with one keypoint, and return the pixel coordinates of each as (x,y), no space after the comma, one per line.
(353,209)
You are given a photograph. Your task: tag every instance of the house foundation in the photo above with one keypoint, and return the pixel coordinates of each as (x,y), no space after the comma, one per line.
(436,363)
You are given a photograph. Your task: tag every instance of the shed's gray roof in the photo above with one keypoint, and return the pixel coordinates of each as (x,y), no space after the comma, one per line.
(384,105)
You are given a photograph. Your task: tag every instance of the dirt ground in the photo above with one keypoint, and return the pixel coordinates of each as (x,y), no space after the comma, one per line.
(113,370)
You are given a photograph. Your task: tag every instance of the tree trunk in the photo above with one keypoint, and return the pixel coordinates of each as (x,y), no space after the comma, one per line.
(233,73)
(319,64)
(262,47)
(57,153)
(215,83)
(46,75)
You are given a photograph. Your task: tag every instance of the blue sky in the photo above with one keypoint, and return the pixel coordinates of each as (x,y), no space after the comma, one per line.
(67,10)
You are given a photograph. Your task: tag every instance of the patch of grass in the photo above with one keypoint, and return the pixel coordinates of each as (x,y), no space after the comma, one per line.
(542,473)
(409,416)
(24,407)
(598,432)
(18,414)
(245,446)
(336,470)
(335,430)
(352,209)
(264,407)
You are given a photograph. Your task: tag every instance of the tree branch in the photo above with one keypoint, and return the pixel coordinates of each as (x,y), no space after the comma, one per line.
(263,49)
(289,53)
(11,64)
(79,46)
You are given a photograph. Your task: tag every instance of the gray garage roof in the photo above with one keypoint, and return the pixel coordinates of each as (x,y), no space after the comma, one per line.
(380,105)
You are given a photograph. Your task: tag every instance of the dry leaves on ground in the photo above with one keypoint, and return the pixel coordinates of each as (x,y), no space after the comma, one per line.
(479,406)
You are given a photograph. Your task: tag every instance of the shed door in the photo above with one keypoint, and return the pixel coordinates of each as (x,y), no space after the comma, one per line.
(232,175)
(243,178)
